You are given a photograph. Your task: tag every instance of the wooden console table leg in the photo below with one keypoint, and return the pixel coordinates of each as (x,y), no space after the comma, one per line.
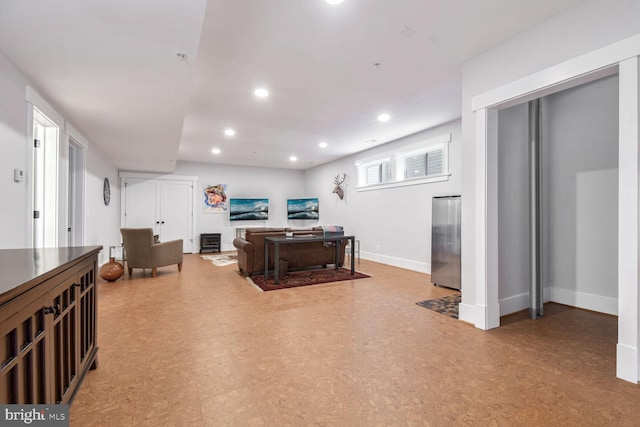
(276,263)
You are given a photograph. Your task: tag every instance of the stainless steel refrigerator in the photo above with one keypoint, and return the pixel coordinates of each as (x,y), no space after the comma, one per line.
(445,241)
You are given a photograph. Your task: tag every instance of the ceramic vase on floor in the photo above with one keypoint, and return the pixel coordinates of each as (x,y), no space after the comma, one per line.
(112,270)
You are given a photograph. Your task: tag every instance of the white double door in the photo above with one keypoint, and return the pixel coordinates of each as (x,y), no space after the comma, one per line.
(164,205)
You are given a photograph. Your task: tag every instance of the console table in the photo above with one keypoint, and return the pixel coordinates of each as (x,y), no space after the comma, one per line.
(210,242)
(280,240)
(48,306)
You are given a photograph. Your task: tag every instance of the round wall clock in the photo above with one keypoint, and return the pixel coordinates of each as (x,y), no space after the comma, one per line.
(106,192)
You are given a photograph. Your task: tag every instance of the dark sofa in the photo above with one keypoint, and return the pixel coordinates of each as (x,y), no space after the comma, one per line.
(299,255)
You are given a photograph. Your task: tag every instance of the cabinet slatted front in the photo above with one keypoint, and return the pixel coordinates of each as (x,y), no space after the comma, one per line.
(23,356)
(47,323)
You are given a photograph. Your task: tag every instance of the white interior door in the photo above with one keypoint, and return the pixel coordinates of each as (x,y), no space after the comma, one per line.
(140,210)
(45,181)
(175,212)
(166,206)
(76,201)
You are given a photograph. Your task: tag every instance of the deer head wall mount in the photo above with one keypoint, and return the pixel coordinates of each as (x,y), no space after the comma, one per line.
(339,185)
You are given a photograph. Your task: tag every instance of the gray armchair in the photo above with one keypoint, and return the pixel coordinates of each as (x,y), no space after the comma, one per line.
(142,252)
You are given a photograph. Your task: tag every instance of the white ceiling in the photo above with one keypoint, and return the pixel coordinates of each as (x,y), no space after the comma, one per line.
(112,69)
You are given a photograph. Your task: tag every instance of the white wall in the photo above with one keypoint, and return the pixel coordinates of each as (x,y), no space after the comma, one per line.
(102,223)
(13,152)
(102,226)
(584,28)
(581,138)
(392,224)
(277,185)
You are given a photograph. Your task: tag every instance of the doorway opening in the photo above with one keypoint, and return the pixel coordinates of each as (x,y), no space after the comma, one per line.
(578,233)
(75,208)
(45,180)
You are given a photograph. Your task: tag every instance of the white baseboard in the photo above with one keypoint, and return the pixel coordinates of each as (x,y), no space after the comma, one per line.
(627,363)
(592,302)
(467,313)
(422,267)
(584,300)
(514,304)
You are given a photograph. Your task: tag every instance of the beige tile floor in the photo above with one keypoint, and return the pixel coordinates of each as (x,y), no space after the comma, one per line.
(205,348)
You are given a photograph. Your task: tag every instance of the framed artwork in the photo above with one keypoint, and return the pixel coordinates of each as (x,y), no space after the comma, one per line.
(248,209)
(303,208)
(215,199)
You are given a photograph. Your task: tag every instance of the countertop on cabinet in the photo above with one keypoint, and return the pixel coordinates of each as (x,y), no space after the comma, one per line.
(22,269)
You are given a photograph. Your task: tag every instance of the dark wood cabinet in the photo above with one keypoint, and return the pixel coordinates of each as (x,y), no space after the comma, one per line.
(210,242)
(47,323)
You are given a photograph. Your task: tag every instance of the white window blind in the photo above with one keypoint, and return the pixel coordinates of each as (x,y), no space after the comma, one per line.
(373,174)
(377,174)
(435,162)
(415,166)
(418,163)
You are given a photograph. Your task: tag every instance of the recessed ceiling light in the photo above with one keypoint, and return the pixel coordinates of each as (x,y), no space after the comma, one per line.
(384,117)
(334,2)
(261,92)
(323,144)
(293,158)
(229,132)
(216,151)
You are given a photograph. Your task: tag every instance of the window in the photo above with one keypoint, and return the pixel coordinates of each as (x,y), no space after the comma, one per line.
(419,163)
(435,162)
(415,166)
(424,164)
(378,173)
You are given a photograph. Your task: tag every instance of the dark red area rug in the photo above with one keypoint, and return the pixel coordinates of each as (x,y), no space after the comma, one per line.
(305,278)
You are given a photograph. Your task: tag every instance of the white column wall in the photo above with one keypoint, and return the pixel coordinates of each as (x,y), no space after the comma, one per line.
(627,360)
(570,73)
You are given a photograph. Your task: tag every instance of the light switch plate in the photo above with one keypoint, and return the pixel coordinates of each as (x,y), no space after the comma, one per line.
(18,175)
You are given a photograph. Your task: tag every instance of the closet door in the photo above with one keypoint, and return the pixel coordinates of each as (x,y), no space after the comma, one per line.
(140,210)
(164,205)
(176,206)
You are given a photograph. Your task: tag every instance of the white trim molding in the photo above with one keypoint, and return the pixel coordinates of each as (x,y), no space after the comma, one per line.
(598,303)
(422,267)
(39,102)
(621,57)
(579,70)
(77,136)
(628,217)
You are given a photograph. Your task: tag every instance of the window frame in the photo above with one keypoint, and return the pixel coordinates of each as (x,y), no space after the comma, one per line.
(397,165)
(383,178)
